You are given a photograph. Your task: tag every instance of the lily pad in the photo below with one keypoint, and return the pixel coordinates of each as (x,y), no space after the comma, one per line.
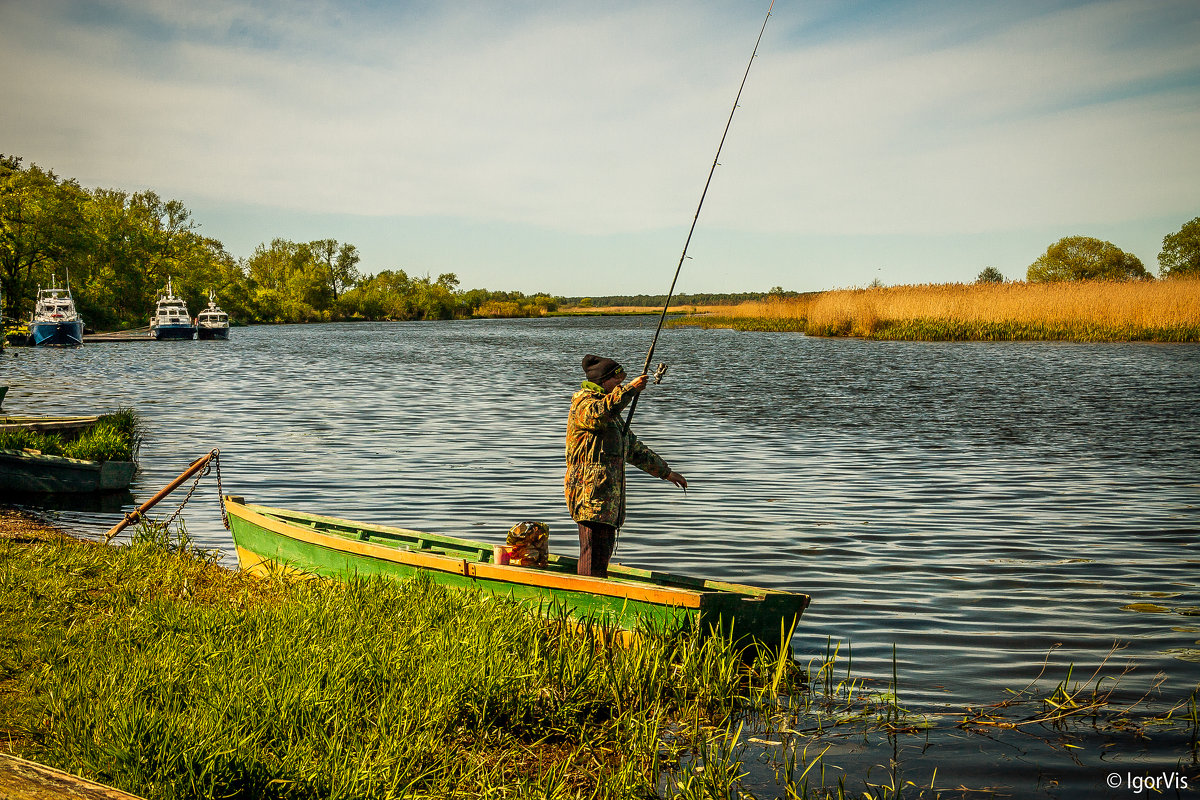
(1188,611)
(1156,594)
(1184,653)
(1146,608)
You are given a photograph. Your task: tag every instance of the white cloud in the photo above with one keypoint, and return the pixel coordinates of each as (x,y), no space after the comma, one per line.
(604,119)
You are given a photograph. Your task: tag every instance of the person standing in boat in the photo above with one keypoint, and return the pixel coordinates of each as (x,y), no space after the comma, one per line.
(598,445)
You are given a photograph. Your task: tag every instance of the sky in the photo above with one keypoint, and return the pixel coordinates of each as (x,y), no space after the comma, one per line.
(563,147)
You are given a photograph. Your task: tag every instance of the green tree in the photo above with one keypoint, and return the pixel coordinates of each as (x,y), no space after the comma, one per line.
(1180,255)
(288,284)
(40,231)
(990,275)
(338,263)
(385,295)
(1082,258)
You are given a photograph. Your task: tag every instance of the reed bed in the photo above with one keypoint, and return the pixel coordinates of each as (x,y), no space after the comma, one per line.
(1165,311)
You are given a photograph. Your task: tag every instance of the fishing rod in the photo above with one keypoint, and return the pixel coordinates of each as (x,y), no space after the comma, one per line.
(662,368)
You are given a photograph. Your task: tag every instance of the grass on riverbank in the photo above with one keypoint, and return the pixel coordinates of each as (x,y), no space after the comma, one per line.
(1164,311)
(150,668)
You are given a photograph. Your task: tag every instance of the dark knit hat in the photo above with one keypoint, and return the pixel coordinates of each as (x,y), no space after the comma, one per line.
(598,369)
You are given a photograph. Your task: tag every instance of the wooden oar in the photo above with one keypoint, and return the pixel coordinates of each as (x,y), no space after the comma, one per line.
(141,510)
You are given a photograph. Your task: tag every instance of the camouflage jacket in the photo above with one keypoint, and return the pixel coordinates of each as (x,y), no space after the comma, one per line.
(597,449)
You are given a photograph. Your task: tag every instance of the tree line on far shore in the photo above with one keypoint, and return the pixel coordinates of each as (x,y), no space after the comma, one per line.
(119,248)
(1084,258)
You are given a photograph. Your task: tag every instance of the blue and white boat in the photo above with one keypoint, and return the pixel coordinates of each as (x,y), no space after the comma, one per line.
(55,322)
(170,319)
(212,322)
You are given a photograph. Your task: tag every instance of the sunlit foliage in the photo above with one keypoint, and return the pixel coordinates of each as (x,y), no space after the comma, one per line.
(1180,256)
(1083,258)
(118,250)
(1067,310)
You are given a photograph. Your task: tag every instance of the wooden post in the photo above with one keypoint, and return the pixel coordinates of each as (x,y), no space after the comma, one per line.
(140,511)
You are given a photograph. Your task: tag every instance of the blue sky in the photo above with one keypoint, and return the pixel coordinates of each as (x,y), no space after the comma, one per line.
(562,147)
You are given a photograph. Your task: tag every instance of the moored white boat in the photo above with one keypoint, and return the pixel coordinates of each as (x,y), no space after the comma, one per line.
(55,322)
(170,319)
(212,322)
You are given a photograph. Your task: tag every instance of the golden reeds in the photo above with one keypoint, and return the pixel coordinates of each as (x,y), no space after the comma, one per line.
(1167,310)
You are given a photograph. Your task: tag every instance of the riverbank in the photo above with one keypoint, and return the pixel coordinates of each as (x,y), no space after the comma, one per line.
(1083,311)
(150,668)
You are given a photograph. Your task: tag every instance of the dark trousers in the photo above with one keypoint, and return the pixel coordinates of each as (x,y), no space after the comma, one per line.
(596,543)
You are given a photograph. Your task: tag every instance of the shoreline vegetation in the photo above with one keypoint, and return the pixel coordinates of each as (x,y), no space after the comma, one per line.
(1077,311)
(120,248)
(149,667)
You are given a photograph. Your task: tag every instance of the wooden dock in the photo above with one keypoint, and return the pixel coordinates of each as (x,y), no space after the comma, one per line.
(135,335)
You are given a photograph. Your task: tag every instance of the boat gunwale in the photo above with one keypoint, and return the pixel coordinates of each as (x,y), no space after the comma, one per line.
(634,575)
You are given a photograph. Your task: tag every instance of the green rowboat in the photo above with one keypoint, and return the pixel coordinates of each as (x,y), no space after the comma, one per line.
(273,539)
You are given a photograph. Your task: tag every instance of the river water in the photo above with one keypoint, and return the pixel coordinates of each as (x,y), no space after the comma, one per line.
(988,509)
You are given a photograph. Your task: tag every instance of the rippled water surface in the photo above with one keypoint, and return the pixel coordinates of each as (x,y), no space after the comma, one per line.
(975,504)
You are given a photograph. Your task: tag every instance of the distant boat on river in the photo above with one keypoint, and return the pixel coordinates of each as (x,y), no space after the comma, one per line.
(275,539)
(170,319)
(55,322)
(212,322)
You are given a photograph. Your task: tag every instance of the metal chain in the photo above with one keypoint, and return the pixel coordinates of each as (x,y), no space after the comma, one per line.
(216,459)
(188,496)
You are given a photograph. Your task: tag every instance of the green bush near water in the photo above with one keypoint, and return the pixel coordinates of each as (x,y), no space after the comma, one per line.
(150,668)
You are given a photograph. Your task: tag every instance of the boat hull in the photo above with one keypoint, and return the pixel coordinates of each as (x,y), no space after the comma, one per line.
(27,472)
(271,539)
(56,334)
(166,333)
(212,333)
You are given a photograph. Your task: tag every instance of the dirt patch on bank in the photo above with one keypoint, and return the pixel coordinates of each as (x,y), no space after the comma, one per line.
(21,526)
